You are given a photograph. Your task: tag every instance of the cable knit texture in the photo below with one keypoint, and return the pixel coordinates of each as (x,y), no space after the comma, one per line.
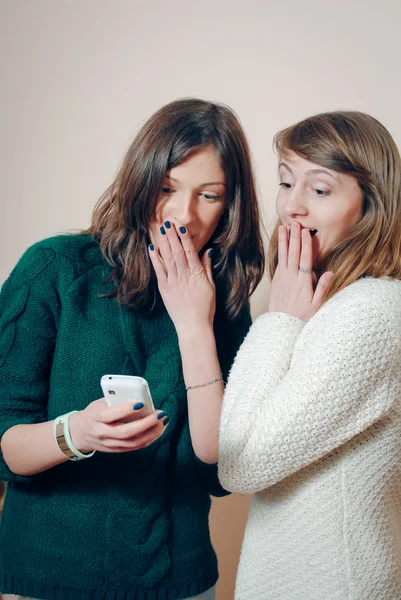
(311,426)
(130,526)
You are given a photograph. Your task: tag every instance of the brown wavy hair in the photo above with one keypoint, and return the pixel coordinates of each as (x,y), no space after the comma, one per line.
(121,218)
(357,144)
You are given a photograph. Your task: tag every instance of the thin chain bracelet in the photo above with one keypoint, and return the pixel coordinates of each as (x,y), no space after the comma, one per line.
(201,385)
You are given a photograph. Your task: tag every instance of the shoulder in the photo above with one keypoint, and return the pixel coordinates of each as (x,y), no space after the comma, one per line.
(78,248)
(369,292)
(371,303)
(74,252)
(372,290)
(53,264)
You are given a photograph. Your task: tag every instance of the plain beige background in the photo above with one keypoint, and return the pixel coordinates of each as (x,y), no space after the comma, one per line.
(79,77)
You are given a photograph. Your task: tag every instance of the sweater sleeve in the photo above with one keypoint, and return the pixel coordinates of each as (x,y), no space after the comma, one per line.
(28,313)
(284,409)
(230,341)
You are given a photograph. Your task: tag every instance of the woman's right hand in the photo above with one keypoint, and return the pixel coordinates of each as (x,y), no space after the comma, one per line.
(292,289)
(110,429)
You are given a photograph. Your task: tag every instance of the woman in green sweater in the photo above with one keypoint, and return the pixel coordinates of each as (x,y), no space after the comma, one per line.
(157,287)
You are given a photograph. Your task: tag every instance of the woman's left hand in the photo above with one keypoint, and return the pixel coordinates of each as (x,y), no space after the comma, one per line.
(292,290)
(185,282)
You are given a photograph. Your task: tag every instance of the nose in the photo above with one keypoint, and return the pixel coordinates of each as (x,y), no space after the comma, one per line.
(295,203)
(186,210)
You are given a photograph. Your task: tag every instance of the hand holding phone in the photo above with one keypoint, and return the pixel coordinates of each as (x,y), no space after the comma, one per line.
(118,428)
(118,389)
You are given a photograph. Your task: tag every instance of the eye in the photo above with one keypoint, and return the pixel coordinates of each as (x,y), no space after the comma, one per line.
(286,186)
(320,192)
(212,197)
(167,190)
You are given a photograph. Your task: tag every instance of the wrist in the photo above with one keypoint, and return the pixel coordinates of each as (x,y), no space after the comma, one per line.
(77,433)
(196,334)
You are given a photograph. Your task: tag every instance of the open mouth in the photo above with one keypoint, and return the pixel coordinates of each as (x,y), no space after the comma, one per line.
(313,232)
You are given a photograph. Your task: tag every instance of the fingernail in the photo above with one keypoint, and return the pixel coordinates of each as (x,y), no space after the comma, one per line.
(167,224)
(162,230)
(161,415)
(166,421)
(138,405)
(151,247)
(210,252)
(182,229)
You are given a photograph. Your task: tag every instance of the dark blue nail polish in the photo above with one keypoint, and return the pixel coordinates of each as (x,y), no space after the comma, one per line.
(182,229)
(162,230)
(167,224)
(166,421)
(161,415)
(210,253)
(138,405)
(151,247)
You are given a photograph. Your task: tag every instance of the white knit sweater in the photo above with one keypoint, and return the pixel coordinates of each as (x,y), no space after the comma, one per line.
(311,424)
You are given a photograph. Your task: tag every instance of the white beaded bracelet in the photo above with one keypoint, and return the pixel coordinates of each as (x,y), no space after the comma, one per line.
(64,441)
(201,385)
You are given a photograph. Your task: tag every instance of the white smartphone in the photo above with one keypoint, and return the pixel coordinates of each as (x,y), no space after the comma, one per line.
(118,389)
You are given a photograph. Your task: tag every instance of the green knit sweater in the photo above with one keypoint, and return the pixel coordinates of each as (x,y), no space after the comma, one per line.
(130,526)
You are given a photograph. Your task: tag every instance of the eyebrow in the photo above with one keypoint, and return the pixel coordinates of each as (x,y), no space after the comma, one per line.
(311,171)
(201,185)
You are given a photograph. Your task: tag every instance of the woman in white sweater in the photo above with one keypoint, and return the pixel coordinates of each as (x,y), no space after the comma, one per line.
(311,419)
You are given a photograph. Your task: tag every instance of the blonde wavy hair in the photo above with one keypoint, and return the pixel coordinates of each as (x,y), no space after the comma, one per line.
(356,144)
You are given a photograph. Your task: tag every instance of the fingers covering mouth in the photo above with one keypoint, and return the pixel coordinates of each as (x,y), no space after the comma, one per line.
(312,230)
